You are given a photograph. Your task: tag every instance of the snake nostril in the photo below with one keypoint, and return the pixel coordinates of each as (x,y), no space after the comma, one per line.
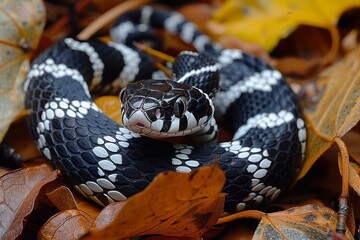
(158,113)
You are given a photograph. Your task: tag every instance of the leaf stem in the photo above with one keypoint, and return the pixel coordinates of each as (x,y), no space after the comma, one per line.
(109,16)
(344,158)
(255,214)
(343,199)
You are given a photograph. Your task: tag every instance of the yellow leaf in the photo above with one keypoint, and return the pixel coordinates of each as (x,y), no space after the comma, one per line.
(306,222)
(266,22)
(338,110)
(21,26)
(174,204)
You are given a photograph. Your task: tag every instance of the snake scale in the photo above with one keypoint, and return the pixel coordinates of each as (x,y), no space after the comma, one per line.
(107,162)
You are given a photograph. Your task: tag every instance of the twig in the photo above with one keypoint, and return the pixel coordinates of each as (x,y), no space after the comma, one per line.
(109,16)
(155,53)
(344,158)
(158,55)
(343,199)
(255,214)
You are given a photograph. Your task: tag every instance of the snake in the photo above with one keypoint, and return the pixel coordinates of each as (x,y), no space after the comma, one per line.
(107,162)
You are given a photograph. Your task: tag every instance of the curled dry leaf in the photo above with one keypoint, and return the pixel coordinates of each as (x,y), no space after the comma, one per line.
(62,198)
(68,224)
(18,192)
(17,38)
(174,204)
(65,199)
(306,222)
(338,110)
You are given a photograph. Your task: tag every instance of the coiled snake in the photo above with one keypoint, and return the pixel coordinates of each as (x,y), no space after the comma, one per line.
(107,162)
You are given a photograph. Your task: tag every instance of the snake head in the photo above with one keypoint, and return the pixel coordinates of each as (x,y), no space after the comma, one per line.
(164,108)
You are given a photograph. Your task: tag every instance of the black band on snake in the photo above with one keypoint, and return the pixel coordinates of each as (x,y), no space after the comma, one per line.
(107,162)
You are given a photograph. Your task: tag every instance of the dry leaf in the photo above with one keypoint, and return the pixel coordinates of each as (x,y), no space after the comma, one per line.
(62,198)
(338,110)
(68,224)
(174,204)
(18,192)
(19,36)
(306,222)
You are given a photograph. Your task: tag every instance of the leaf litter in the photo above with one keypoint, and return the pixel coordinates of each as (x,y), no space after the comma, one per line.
(335,116)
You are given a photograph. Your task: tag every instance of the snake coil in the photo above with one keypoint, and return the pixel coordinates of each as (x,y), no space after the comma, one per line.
(107,162)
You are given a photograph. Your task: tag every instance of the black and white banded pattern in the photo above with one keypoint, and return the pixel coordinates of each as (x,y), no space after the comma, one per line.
(106,162)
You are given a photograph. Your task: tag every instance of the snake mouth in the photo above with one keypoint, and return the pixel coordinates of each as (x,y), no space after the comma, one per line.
(140,123)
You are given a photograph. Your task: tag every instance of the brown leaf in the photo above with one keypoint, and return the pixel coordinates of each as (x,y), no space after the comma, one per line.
(174,204)
(18,193)
(338,110)
(68,224)
(306,222)
(62,198)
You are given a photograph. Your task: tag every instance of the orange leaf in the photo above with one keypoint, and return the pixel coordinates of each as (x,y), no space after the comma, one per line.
(306,222)
(174,204)
(338,110)
(18,192)
(19,35)
(111,106)
(68,224)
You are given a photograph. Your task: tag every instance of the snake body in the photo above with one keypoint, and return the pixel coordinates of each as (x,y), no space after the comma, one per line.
(107,162)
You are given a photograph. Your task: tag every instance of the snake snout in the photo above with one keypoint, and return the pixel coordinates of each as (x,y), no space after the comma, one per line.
(137,121)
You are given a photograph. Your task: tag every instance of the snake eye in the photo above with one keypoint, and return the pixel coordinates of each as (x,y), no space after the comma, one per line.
(122,95)
(180,106)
